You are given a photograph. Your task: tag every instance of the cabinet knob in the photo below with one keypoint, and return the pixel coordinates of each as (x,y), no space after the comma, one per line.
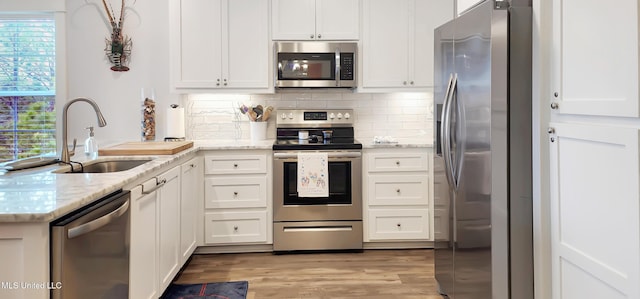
(398,163)
(554,105)
(398,191)
(193,166)
(551,130)
(319,35)
(235,193)
(311,36)
(411,82)
(217,82)
(399,225)
(235,165)
(235,228)
(225,82)
(404,82)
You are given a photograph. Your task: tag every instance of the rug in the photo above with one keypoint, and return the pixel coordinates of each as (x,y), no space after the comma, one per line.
(215,290)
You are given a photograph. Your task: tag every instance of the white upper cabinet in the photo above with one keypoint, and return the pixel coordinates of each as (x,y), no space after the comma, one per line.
(219,44)
(398,41)
(591,75)
(315,19)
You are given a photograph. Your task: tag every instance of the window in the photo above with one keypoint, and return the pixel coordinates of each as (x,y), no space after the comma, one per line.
(27,86)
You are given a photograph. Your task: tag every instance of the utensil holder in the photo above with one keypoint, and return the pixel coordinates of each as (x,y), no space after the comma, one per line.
(258,130)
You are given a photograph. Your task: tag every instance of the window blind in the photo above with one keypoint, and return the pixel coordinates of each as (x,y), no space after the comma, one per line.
(27,86)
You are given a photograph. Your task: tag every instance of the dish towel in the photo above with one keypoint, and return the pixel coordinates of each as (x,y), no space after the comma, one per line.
(313,175)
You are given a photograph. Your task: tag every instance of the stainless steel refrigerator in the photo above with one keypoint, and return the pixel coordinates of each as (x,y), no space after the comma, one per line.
(483,153)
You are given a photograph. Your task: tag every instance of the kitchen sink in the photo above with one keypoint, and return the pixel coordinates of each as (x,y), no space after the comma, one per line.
(104,166)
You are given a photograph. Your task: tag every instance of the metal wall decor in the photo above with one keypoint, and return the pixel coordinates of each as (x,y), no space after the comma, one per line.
(118,48)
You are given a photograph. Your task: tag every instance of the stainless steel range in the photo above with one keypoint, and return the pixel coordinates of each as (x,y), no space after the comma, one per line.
(330,217)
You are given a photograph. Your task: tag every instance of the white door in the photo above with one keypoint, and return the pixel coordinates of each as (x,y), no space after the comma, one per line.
(337,19)
(245,44)
(169,226)
(293,20)
(191,183)
(594,212)
(143,258)
(594,167)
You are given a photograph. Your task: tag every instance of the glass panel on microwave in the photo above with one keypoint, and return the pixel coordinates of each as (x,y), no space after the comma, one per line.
(306,66)
(339,185)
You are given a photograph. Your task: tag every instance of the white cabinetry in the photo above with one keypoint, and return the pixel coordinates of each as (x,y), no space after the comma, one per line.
(143,256)
(219,44)
(238,198)
(397,195)
(398,41)
(155,234)
(192,190)
(24,254)
(315,19)
(594,151)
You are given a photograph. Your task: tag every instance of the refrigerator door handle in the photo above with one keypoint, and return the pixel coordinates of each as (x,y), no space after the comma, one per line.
(445,131)
(461,137)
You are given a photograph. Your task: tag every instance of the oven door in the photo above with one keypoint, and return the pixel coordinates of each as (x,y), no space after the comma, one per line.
(345,184)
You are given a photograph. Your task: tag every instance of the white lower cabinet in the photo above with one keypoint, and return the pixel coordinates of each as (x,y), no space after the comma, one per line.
(164,223)
(24,256)
(191,190)
(397,195)
(237,196)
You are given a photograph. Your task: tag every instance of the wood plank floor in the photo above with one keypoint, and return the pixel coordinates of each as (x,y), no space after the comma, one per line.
(401,274)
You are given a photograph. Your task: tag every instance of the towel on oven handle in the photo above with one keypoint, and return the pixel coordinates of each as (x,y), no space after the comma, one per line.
(313,175)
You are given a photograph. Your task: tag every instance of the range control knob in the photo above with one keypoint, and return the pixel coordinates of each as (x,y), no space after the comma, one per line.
(283,116)
(347,115)
(290,115)
(339,115)
(332,116)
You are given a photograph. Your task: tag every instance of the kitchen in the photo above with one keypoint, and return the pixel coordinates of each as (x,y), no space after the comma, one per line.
(385,114)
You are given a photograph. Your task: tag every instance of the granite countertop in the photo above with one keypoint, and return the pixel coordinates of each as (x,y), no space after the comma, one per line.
(399,143)
(41,195)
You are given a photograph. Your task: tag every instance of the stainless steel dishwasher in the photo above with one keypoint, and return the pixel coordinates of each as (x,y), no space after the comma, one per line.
(90,250)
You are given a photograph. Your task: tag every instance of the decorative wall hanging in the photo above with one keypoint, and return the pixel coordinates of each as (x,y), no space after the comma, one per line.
(118,48)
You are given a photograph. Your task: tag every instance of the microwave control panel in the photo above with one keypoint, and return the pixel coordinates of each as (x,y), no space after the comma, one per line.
(346,66)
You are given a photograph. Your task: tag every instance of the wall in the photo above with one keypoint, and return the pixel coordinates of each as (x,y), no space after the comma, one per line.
(400,115)
(208,116)
(117,93)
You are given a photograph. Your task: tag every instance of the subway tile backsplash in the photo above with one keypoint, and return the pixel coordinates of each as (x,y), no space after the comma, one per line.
(399,115)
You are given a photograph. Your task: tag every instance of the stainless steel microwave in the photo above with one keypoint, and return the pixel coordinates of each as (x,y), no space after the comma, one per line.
(316,64)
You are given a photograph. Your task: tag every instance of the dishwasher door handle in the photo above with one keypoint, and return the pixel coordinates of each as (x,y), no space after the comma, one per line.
(98,223)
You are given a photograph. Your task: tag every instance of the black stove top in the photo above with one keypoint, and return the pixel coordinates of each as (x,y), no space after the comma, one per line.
(317,144)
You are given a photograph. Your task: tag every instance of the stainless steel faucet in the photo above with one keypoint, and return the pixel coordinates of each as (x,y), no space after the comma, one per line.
(66,154)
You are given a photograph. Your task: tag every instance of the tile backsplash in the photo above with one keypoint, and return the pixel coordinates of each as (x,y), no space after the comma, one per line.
(399,115)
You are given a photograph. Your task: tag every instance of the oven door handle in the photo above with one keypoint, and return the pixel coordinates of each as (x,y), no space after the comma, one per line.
(329,154)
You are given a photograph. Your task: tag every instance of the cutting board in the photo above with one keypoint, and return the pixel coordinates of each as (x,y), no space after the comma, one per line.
(146,148)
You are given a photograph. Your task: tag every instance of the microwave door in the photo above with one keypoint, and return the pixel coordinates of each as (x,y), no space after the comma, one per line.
(306,69)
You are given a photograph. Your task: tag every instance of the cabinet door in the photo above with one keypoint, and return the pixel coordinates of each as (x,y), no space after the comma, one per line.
(594,193)
(143,257)
(190,183)
(427,16)
(169,226)
(385,43)
(245,44)
(197,55)
(293,20)
(337,19)
(592,76)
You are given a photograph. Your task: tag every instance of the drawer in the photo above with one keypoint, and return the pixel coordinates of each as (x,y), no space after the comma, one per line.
(398,162)
(235,227)
(398,190)
(235,192)
(241,164)
(399,224)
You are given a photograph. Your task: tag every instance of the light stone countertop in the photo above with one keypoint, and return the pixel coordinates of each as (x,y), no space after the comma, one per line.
(41,195)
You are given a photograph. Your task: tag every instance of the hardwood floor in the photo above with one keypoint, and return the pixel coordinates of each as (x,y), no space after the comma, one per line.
(401,274)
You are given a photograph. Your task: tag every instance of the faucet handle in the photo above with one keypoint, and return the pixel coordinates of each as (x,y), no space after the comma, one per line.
(73,150)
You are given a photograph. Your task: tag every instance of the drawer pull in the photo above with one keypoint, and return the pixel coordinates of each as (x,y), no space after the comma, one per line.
(398,163)
(235,194)
(235,228)
(398,191)
(399,225)
(235,165)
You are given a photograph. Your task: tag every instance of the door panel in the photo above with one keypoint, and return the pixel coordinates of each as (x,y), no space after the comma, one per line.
(593,77)
(595,211)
